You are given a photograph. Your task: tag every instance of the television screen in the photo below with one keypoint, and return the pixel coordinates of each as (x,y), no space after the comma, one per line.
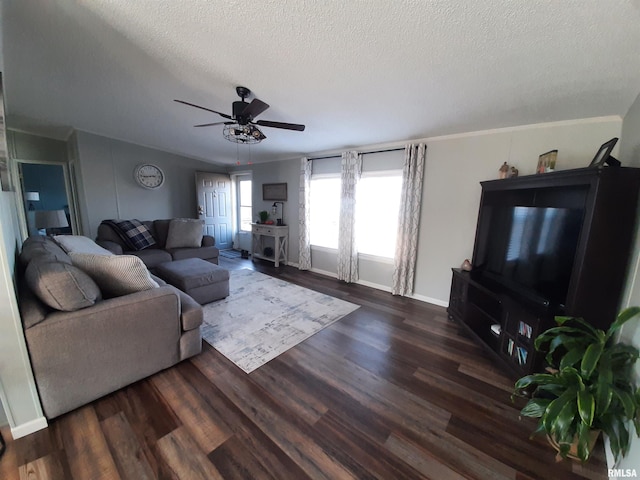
(530,247)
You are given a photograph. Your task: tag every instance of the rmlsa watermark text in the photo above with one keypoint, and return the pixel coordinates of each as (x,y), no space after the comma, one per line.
(622,473)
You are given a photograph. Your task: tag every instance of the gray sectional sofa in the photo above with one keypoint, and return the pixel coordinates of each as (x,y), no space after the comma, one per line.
(86,341)
(160,252)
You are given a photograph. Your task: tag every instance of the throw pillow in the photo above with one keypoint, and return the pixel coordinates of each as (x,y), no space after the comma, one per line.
(116,275)
(184,232)
(80,244)
(134,233)
(62,286)
(37,246)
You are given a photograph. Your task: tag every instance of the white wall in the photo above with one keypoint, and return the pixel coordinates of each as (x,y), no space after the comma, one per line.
(107,188)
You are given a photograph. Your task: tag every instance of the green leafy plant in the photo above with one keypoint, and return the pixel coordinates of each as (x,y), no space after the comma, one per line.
(589,386)
(264,216)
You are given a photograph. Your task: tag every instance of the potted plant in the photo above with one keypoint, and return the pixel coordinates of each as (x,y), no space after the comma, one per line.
(588,387)
(264,216)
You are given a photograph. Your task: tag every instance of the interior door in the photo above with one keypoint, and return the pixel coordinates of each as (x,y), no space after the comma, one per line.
(214,206)
(45,186)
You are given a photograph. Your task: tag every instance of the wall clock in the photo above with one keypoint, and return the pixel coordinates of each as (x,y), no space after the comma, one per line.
(149,176)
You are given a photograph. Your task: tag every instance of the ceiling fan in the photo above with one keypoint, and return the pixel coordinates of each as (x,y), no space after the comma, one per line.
(240,126)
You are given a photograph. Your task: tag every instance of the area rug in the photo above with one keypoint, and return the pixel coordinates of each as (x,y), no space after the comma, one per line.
(263,317)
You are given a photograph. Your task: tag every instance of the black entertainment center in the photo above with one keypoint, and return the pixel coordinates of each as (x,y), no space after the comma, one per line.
(549,244)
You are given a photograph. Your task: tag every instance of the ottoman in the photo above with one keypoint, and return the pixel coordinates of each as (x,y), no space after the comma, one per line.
(201,280)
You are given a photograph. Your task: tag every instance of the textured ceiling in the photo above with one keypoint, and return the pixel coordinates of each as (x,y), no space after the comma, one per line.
(355,72)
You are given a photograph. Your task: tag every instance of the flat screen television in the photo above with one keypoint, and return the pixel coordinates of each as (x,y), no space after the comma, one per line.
(528,249)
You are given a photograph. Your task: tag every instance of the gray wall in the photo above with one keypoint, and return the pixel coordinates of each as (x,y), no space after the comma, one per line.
(630,155)
(17,387)
(455,166)
(107,189)
(25,146)
(630,138)
(287,171)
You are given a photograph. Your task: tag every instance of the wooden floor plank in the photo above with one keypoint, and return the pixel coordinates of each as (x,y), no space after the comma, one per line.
(185,459)
(44,468)
(393,390)
(85,446)
(421,460)
(192,410)
(125,449)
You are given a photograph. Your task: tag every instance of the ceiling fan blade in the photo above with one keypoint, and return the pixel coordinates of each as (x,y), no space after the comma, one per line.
(255,108)
(287,126)
(212,124)
(204,108)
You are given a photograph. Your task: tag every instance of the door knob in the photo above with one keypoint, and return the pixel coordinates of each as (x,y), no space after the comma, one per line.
(200,210)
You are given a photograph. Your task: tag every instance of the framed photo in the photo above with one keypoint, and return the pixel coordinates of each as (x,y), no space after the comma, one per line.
(547,162)
(604,155)
(274,191)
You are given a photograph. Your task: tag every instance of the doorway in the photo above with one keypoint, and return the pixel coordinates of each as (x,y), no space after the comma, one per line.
(214,206)
(45,190)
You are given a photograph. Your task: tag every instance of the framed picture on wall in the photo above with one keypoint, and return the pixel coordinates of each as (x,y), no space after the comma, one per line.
(274,191)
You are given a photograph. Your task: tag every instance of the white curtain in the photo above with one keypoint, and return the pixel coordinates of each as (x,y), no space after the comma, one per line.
(409,220)
(304,258)
(347,251)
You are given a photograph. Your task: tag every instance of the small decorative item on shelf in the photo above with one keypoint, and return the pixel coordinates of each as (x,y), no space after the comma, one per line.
(503,171)
(547,162)
(264,216)
(513,173)
(466,265)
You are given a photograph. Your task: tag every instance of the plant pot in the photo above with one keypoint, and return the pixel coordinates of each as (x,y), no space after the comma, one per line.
(573,451)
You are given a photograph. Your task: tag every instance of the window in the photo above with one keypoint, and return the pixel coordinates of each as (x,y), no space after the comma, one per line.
(377,208)
(324,206)
(244,205)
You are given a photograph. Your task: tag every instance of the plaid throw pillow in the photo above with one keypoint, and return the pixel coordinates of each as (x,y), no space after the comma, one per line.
(133,233)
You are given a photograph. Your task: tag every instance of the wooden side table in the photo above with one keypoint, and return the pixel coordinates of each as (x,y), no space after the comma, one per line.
(280,234)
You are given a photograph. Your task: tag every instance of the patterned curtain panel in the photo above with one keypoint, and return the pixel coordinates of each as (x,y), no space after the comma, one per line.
(304,259)
(347,251)
(409,220)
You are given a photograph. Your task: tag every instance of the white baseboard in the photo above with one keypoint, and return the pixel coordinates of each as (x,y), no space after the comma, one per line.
(384,288)
(28,428)
(324,272)
(424,298)
(377,286)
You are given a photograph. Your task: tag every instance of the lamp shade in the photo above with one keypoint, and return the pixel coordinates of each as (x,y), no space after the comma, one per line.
(33,196)
(51,219)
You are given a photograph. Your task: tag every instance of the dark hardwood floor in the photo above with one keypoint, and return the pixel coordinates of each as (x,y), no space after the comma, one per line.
(392,391)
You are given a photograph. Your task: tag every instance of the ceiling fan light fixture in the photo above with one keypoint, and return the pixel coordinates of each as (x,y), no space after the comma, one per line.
(237,133)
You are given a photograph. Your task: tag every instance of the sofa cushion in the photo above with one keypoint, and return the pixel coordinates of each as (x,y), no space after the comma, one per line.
(205,253)
(162,230)
(39,246)
(152,257)
(32,309)
(62,286)
(184,233)
(135,234)
(116,274)
(80,244)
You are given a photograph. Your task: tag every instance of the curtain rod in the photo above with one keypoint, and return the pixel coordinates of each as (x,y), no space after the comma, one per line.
(363,153)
